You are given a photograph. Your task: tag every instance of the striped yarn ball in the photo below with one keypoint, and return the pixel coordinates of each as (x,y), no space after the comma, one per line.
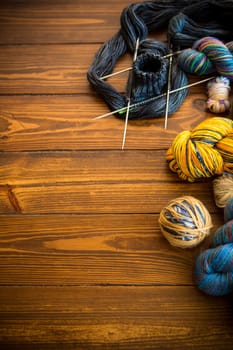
(208,55)
(185,222)
(205,151)
(214,267)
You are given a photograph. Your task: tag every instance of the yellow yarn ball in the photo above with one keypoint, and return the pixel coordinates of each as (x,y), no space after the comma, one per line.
(185,222)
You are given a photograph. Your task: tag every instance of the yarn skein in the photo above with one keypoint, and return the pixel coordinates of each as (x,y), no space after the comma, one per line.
(213,272)
(185,222)
(138,21)
(223,189)
(205,151)
(218,92)
(208,55)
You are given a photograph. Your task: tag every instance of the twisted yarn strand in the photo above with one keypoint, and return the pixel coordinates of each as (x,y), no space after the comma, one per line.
(205,151)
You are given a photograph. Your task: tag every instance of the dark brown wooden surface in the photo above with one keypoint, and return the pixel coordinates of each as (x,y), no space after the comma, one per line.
(83,262)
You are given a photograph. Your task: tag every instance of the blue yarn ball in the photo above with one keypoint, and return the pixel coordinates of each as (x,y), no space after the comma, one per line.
(214,267)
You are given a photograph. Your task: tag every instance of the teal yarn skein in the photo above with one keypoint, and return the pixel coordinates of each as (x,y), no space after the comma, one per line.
(213,271)
(208,55)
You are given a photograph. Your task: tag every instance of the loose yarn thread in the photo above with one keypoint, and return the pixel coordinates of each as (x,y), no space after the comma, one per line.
(137,21)
(185,222)
(213,272)
(205,151)
(218,93)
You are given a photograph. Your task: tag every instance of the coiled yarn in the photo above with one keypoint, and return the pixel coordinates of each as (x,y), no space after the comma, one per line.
(205,151)
(149,75)
(185,222)
(213,271)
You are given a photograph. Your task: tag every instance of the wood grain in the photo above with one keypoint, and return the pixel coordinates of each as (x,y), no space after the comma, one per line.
(92,249)
(66,122)
(94,182)
(83,262)
(53,69)
(59,21)
(115,318)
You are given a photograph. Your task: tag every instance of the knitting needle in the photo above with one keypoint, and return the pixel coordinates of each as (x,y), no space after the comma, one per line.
(130,68)
(168,86)
(123,109)
(130,90)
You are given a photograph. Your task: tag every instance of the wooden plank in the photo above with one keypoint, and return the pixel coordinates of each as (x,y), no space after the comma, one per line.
(114,318)
(95,182)
(66,122)
(89,167)
(59,21)
(53,69)
(92,249)
(7,204)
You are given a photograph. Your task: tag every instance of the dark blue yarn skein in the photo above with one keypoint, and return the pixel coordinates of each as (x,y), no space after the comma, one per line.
(149,73)
(214,267)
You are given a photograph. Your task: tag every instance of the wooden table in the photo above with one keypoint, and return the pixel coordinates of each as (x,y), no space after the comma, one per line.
(83,262)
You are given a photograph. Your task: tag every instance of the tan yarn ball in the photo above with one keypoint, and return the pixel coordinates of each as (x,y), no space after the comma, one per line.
(185,222)
(223,190)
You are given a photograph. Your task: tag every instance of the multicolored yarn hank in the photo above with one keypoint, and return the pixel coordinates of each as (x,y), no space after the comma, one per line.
(205,151)
(214,267)
(218,92)
(208,55)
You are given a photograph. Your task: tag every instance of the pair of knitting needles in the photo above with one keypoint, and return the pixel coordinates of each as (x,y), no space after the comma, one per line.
(170,56)
(167,93)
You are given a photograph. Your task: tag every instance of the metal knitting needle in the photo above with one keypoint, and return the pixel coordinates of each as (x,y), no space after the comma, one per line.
(123,109)
(130,68)
(168,86)
(130,91)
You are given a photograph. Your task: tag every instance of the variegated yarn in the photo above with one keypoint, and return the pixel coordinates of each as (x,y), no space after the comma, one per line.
(205,151)
(208,55)
(185,222)
(218,92)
